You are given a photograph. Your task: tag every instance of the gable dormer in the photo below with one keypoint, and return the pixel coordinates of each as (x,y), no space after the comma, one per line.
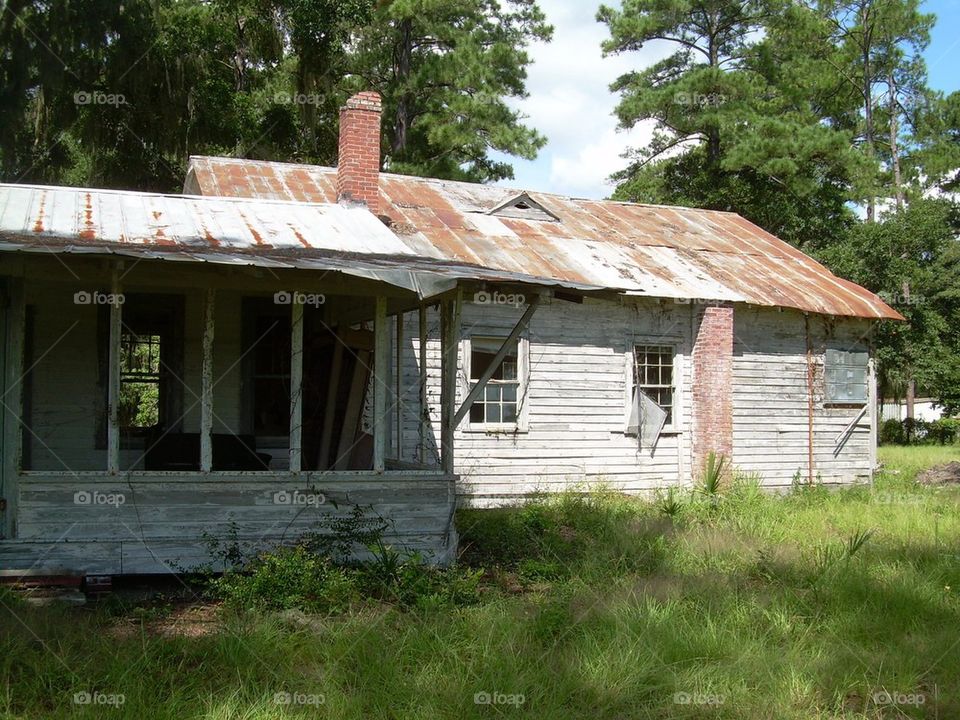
(523,207)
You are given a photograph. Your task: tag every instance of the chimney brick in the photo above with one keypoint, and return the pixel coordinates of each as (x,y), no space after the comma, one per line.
(713,385)
(358,167)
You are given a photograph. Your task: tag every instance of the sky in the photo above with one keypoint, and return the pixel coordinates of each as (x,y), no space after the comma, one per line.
(570,102)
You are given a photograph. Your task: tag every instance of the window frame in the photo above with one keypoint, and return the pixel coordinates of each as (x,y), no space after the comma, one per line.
(675,425)
(829,401)
(154,313)
(521,424)
(254,307)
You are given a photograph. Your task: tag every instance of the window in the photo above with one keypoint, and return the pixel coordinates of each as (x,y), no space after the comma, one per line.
(141,376)
(271,376)
(846,377)
(151,367)
(653,375)
(500,403)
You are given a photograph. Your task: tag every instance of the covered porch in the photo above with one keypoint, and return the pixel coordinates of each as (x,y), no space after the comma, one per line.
(157,403)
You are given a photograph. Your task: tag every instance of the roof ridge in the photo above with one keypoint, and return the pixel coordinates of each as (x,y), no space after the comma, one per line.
(467,183)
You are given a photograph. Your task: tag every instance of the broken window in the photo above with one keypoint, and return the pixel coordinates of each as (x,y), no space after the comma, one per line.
(141,377)
(846,373)
(652,396)
(151,366)
(499,404)
(653,375)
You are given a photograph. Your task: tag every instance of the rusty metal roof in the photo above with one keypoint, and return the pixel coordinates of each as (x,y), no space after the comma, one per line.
(268,233)
(646,250)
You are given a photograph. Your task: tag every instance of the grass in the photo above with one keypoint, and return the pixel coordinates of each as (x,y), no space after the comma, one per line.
(817,605)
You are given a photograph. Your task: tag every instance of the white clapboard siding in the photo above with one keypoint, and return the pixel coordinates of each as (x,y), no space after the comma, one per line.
(163,521)
(577,394)
(770,399)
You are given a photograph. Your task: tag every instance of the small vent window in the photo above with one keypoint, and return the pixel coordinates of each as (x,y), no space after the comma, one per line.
(523,207)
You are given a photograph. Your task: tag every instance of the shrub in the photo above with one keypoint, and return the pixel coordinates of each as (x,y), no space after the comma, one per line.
(288,578)
(892,433)
(918,432)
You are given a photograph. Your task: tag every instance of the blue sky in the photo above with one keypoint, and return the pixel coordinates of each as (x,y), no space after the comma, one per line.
(569,101)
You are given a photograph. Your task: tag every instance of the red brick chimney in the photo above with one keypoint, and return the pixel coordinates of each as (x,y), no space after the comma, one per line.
(358,167)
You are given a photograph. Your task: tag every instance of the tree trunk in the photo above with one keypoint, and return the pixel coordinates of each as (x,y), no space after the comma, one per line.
(401,72)
(894,146)
(911,386)
(868,129)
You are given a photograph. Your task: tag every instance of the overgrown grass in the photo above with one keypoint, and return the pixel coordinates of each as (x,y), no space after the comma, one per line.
(817,605)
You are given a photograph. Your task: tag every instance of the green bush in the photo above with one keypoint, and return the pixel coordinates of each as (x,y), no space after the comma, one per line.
(920,432)
(406,580)
(289,578)
(892,433)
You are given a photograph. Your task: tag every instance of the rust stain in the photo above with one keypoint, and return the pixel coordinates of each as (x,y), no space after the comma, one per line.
(599,243)
(38,225)
(299,235)
(89,231)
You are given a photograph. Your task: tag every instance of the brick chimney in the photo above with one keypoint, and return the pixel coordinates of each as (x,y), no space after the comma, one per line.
(712,385)
(358,167)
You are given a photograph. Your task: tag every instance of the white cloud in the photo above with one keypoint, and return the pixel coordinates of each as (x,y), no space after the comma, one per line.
(586,172)
(571,104)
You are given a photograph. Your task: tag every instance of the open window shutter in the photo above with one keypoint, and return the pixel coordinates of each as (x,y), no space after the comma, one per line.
(652,419)
(633,424)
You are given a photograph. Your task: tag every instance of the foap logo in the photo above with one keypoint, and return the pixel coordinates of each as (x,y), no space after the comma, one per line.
(95,498)
(292,297)
(685,698)
(299,498)
(114,700)
(695,99)
(892,498)
(297,698)
(901,298)
(493,297)
(296,99)
(498,698)
(696,301)
(84,297)
(95,97)
(882,697)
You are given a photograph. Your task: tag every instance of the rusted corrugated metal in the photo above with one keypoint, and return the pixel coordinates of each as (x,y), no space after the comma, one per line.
(644,250)
(276,234)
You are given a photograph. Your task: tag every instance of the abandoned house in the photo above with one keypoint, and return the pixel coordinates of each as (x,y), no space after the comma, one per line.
(284,343)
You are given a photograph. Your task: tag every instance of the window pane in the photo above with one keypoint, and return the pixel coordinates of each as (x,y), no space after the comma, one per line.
(139,404)
(479,362)
(499,398)
(476,412)
(654,374)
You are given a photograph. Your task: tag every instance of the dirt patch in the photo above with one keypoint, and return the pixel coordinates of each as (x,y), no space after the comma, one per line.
(194,620)
(946,474)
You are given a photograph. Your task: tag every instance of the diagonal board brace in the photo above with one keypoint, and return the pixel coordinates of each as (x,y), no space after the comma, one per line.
(497,359)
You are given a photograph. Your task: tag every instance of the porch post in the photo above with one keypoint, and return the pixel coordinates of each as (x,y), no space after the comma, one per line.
(206,383)
(296,386)
(113,374)
(12,406)
(381,362)
(873,409)
(424,404)
(450,337)
(398,385)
